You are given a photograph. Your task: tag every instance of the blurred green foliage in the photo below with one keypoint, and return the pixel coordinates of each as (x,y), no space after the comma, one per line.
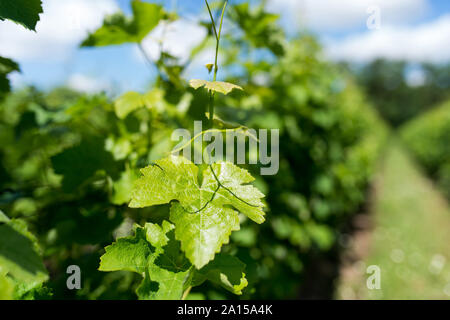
(428,138)
(6,67)
(401,91)
(68,160)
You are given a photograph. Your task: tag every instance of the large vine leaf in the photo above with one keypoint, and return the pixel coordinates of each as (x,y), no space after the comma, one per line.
(205,214)
(216,86)
(24,12)
(118,29)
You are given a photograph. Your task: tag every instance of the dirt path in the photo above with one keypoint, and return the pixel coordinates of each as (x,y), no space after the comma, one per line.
(406,234)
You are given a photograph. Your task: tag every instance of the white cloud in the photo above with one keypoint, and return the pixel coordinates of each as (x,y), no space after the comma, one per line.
(178,39)
(63,25)
(426,42)
(88,84)
(342,15)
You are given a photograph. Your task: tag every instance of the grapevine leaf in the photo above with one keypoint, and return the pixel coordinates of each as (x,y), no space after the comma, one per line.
(169,269)
(131,101)
(19,253)
(129,254)
(202,234)
(154,253)
(23,12)
(236,190)
(32,291)
(127,103)
(226,271)
(122,188)
(146,17)
(205,215)
(118,29)
(216,86)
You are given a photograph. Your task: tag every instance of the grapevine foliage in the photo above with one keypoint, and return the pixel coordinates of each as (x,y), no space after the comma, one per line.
(6,66)
(155,253)
(204,203)
(80,157)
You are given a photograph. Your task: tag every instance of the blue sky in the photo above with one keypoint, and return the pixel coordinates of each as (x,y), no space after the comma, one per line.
(416,30)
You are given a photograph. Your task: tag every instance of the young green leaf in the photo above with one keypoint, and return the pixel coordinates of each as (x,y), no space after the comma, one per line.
(24,12)
(210,67)
(204,216)
(129,254)
(216,86)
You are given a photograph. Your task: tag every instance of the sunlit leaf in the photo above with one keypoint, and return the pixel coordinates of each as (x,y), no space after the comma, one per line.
(216,86)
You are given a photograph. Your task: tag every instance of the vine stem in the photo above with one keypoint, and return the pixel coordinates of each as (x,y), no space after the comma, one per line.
(216,65)
(186,293)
